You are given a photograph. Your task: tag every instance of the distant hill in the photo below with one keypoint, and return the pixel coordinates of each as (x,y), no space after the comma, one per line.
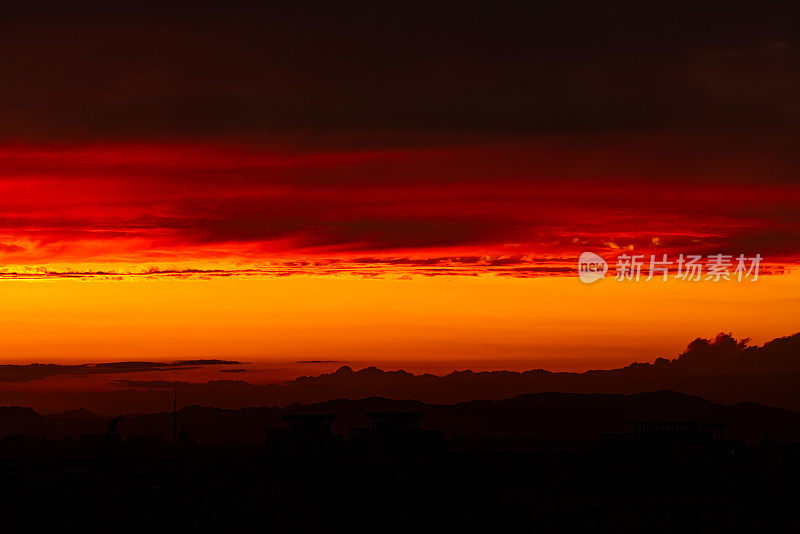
(545,416)
(81,414)
(723,370)
(17,419)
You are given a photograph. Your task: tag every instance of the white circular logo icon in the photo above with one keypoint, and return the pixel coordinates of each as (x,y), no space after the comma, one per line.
(591,267)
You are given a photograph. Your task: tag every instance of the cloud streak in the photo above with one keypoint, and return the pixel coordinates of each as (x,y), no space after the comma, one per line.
(38,371)
(220,211)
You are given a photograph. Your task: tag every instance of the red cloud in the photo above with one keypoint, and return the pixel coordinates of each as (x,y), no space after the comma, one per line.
(150,204)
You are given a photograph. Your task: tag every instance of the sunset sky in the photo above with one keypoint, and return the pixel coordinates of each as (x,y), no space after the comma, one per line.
(362,184)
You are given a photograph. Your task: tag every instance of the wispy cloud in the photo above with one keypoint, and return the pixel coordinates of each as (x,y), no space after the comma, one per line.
(516,209)
(37,371)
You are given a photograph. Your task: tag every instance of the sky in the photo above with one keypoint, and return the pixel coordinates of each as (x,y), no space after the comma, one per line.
(408,186)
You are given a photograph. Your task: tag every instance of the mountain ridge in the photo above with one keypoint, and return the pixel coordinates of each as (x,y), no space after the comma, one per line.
(540,416)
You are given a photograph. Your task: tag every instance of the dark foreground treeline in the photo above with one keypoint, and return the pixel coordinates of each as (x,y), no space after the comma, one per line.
(395,472)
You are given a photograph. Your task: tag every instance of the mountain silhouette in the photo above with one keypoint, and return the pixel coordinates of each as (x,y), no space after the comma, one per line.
(17,419)
(724,370)
(538,416)
(81,414)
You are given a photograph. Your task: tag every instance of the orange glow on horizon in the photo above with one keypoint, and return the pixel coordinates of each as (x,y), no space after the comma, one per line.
(426,258)
(422,323)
